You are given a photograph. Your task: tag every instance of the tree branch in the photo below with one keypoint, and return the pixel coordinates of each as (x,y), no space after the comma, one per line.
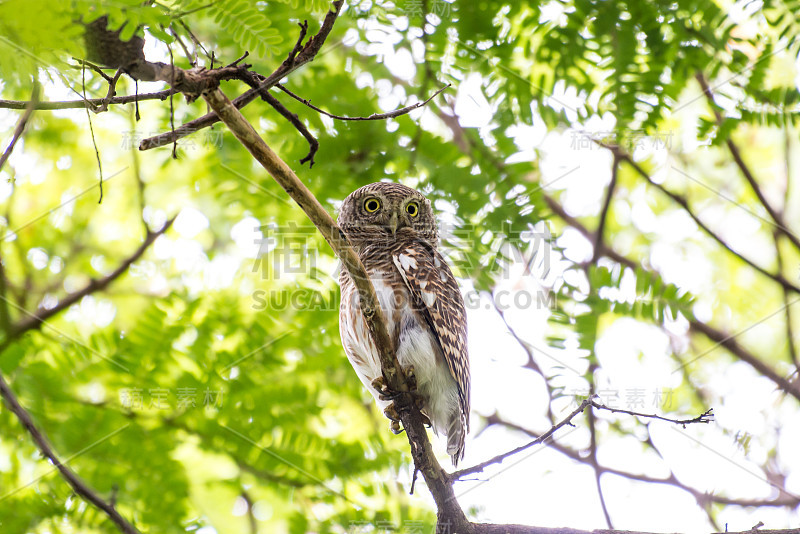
(601,225)
(748,175)
(683,203)
(36,320)
(78,485)
(19,130)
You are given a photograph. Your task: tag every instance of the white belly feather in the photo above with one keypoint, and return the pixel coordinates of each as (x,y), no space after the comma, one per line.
(416,347)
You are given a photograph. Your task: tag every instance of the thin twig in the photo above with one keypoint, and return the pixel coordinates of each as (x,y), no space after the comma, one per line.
(596,467)
(77,104)
(192,58)
(373,117)
(92,66)
(461,473)
(241,58)
(254,80)
(112,88)
(705,417)
(313,144)
(22,124)
(196,41)
(91,131)
(531,364)
(719,337)
(671,480)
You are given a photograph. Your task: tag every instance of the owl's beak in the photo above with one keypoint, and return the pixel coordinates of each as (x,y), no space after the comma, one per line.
(395,223)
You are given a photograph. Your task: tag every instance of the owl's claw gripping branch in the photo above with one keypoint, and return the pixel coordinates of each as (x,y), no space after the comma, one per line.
(391,413)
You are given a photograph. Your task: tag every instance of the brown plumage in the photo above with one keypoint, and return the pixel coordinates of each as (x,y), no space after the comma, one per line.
(393,230)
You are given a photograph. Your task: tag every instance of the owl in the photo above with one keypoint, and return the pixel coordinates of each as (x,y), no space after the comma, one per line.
(393,230)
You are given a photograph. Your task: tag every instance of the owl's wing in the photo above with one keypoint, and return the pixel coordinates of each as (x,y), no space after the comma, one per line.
(434,289)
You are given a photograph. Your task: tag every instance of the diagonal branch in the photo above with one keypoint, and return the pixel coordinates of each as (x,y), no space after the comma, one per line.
(35,320)
(748,175)
(461,473)
(79,486)
(683,203)
(19,130)
(598,239)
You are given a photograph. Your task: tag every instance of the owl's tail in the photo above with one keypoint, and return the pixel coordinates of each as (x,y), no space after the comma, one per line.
(456,434)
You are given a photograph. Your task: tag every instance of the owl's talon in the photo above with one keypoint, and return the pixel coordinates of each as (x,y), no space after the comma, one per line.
(394,419)
(379,384)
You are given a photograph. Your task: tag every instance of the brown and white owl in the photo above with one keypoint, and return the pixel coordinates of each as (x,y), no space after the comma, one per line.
(393,230)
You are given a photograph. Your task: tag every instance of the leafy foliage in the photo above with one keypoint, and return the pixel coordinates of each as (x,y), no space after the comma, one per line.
(207,384)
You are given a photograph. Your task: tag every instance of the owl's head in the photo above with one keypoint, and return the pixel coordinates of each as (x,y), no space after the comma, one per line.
(386,211)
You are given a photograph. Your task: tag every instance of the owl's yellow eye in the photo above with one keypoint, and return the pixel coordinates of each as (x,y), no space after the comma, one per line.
(372,205)
(412,208)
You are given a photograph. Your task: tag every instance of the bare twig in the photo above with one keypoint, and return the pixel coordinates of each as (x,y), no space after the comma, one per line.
(191,57)
(83,63)
(254,80)
(531,364)
(22,124)
(461,473)
(78,485)
(313,144)
(78,104)
(112,87)
(705,417)
(567,421)
(373,117)
(596,467)
(671,480)
(91,129)
(236,62)
(196,41)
